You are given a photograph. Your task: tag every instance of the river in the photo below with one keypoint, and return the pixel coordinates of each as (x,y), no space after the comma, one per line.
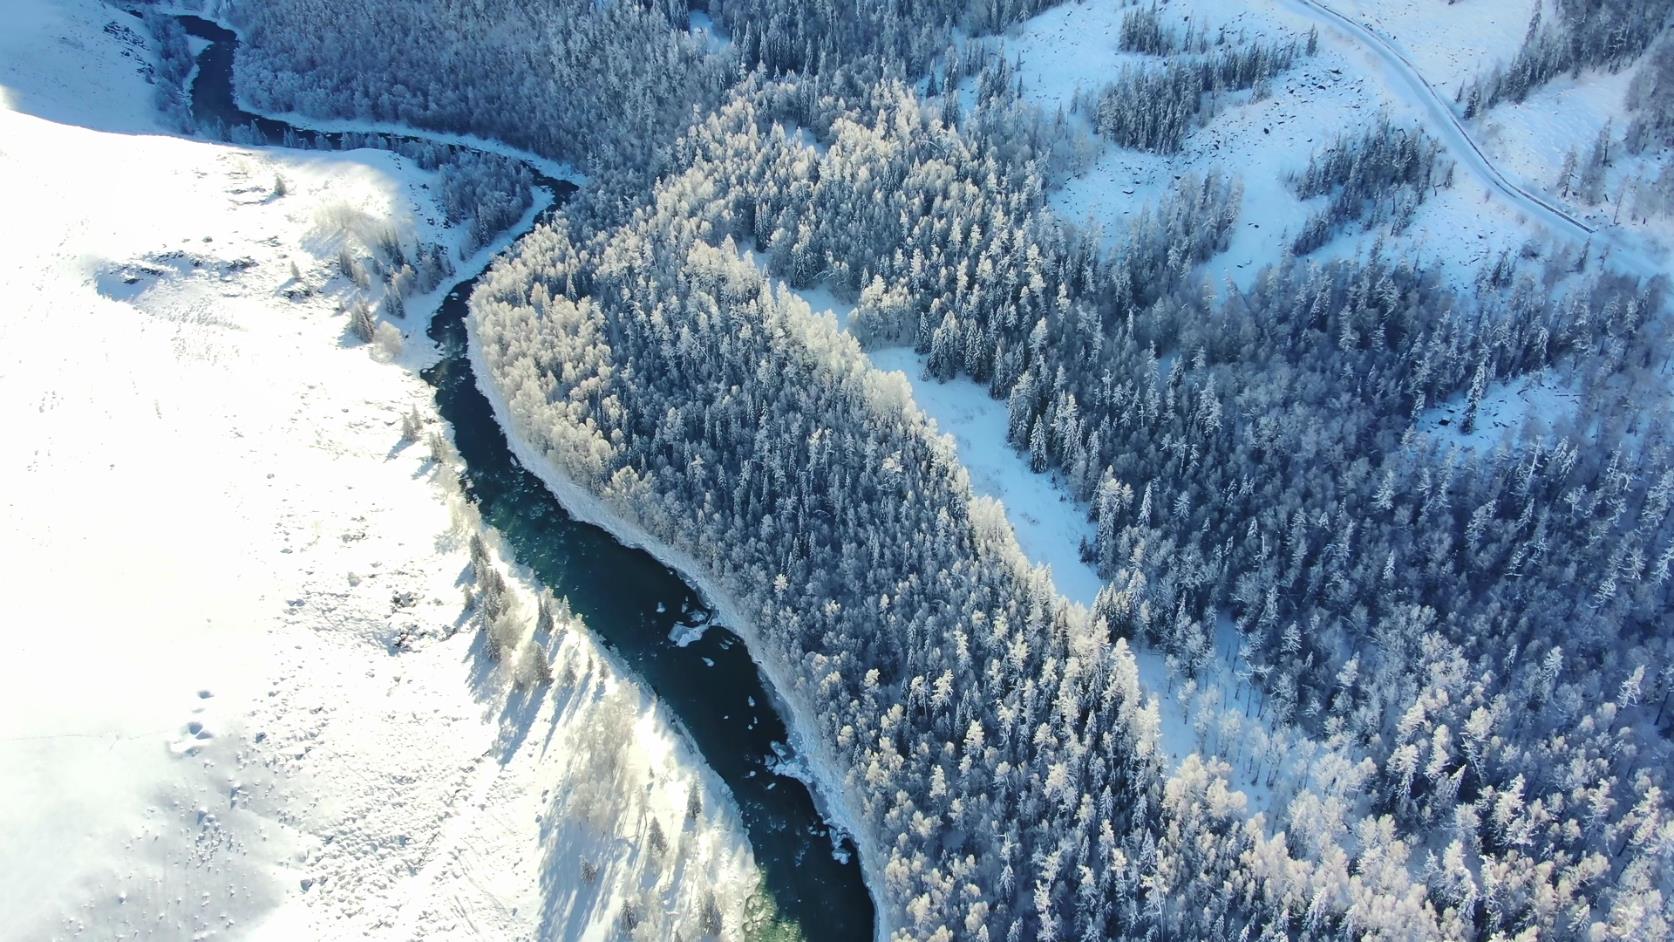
(629,599)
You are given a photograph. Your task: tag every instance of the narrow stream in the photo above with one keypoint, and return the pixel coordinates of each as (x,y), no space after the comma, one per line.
(628,598)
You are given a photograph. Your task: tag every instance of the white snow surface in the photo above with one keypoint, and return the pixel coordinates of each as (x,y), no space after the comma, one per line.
(238,695)
(1449,43)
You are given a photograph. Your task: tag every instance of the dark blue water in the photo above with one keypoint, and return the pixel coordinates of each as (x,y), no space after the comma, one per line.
(626,596)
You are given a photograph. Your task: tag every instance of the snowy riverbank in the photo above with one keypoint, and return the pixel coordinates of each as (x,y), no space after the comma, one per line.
(806,742)
(243,695)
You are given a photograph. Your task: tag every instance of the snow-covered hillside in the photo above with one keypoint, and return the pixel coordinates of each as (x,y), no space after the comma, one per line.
(1448,42)
(1451,44)
(239,691)
(1347,85)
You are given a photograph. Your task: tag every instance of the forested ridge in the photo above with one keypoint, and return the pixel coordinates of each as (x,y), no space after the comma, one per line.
(1464,650)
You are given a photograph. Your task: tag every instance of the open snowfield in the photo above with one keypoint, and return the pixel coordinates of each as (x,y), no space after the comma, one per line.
(239,696)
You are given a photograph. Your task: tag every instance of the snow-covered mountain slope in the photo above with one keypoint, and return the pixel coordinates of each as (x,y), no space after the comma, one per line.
(1447,42)
(238,695)
(1517,151)
(1404,80)
(1499,201)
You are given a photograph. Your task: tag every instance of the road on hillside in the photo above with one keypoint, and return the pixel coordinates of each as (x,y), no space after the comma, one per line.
(1451,130)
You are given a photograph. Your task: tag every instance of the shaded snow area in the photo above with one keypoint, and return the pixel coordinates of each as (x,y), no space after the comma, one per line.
(1565,116)
(241,694)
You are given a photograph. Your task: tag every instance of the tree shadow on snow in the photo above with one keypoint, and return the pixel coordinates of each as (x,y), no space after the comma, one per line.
(600,872)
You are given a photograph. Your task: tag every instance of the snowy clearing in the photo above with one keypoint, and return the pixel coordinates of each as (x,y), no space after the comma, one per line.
(1539,401)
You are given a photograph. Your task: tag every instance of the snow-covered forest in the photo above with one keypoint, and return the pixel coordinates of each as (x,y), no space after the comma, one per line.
(1467,647)
(1390,599)
(1384,647)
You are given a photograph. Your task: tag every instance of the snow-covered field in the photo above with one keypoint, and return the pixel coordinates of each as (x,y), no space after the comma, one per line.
(238,693)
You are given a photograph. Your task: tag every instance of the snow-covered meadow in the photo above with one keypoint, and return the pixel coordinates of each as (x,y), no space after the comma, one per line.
(240,693)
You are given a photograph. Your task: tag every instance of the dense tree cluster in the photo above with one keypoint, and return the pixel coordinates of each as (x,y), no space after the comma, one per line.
(599,84)
(1143,31)
(1155,108)
(485,192)
(174,65)
(1380,175)
(876,36)
(1651,99)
